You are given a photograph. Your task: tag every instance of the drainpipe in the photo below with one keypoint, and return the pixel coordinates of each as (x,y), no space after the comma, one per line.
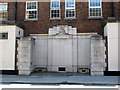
(113,9)
(15,10)
(16,45)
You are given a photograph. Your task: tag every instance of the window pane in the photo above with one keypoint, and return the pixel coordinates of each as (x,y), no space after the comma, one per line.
(31,15)
(55,4)
(70,13)
(95,12)
(3,11)
(3,6)
(70,4)
(94,3)
(55,13)
(31,5)
(28,6)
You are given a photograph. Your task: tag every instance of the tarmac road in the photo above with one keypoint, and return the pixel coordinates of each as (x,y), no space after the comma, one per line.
(54,78)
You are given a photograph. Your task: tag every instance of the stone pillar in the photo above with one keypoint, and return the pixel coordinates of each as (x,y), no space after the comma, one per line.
(24,56)
(97,55)
(74,54)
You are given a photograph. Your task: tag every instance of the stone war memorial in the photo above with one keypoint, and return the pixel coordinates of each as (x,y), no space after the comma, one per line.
(62,50)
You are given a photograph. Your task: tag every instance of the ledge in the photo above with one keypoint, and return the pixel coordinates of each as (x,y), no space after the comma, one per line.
(12,23)
(70,18)
(54,19)
(27,20)
(38,34)
(113,19)
(95,18)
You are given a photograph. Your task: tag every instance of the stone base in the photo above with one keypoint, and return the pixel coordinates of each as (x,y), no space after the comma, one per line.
(97,73)
(25,72)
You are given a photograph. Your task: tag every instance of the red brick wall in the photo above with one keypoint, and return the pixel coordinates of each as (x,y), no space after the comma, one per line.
(82,23)
(117,9)
(3,1)
(11,11)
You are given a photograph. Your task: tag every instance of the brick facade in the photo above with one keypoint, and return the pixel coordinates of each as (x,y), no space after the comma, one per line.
(82,22)
(117,9)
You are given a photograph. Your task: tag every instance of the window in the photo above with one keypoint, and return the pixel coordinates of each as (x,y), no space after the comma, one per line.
(3,11)
(95,8)
(55,9)
(3,35)
(31,10)
(69,8)
(62,69)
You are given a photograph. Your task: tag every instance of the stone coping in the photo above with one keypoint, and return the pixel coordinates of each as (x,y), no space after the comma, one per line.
(12,23)
(78,34)
(113,19)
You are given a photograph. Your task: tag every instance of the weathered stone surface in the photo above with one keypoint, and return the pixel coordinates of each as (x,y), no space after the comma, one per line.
(25,56)
(24,72)
(97,73)
(97,55)
(62,29)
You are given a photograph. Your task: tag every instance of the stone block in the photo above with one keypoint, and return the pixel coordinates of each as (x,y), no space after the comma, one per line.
(49,68)
(97,73)
(23,68)
(24,72)
(74,68)
(24,56)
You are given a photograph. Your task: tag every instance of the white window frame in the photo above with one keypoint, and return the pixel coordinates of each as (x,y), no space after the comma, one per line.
(55,9)
(70,8)
(95,7)
(4,11)
(31,10)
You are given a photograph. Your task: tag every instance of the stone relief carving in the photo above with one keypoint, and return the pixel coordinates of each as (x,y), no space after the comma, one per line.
(62,30)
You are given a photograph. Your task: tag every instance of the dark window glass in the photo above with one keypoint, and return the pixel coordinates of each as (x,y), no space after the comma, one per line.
(62,69)
(70,13)
(32,14)
(3,35)
(55,13)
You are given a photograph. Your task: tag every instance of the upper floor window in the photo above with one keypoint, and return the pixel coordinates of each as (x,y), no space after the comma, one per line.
(55,9)
(69,8)
(31,10)
(3,11)
(95,8)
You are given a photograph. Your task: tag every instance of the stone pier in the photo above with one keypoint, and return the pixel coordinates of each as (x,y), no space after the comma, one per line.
(25,56)
(97,55)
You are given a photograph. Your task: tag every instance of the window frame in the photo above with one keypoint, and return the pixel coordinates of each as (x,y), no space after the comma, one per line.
(2,11)
(3,33)
(31,10)
(55,9)
(70,8)
(95,7)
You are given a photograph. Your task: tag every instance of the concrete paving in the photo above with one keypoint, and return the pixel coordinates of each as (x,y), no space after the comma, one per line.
(55,78)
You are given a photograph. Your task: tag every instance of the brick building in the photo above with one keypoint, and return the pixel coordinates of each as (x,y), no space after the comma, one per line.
(38,18)
(82,19)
